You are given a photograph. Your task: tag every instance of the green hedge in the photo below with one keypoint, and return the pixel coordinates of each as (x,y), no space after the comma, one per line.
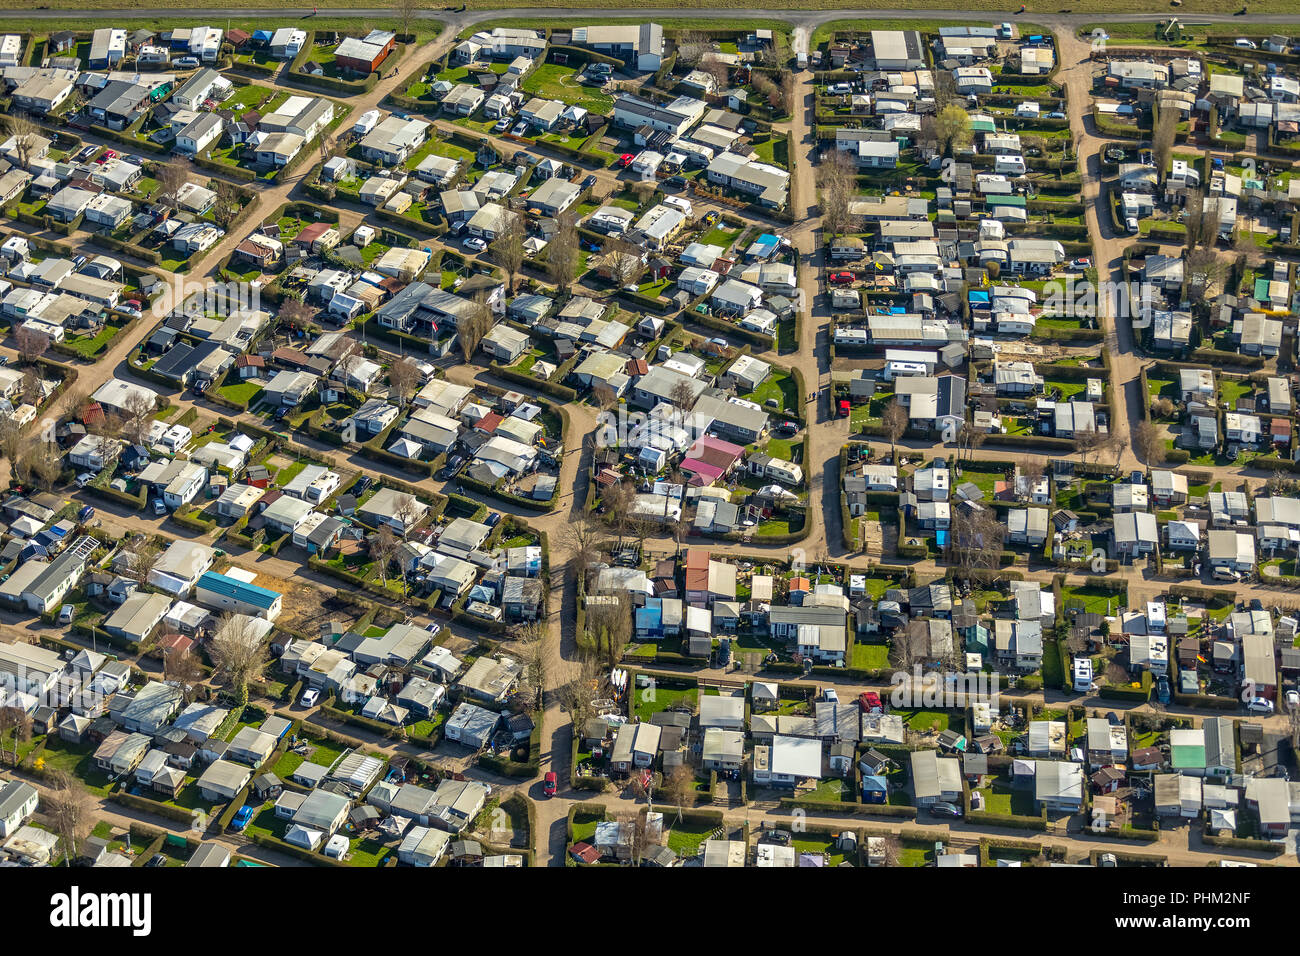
(1009,820)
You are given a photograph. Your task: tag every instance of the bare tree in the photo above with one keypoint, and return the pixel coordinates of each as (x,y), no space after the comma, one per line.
(508,249)
(1089,444)
(68,808)
(838,180)
(404,11)
(183,669)
(44,463)
(626,264)
(406,509)
(1148,443)
(140,560)
(893,850)
(24,132)
(682,394)
(577,539)
(237,653)
(976,539)
(172,177)
(970,439)
(610,628)
(294,314)
(471,326)
(403,377)
(30,344)
(1194,219)
(634,827)
(534,655)
(562,253)
(692,47)
(15,722)
(720,72)
(382,547)
(138,417)
(894,421)
(229,202)
(1206,271)
(11,439)
(679,787)
(618,500)
(1162,140)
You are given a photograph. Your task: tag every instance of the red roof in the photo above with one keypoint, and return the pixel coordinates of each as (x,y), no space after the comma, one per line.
(312,231)
(637,367)
(697,569)
(489,422)
(584,853)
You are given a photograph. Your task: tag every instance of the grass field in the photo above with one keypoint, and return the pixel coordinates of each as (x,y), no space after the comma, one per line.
(554,82)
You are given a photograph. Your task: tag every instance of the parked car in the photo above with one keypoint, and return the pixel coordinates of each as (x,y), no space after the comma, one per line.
(588,182)
(159,508)
(66,613)
(520,129)
(85,514)
(1163,693)
(474,244)
(1055,114)
(434,629)
(870,703)
(1293,700)
(844,409)
(157,860)
(625,160)
(549,784)
(493,519)
(1260,705)
(786,428)
(241,818)
(1083,262)
(675,182)
(188,63)
(1131,224)
(501,125)
(1244,44)
(84,479)
(945,810)
(841,278)
(310,697)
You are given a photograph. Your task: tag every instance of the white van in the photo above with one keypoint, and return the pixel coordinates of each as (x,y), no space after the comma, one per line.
(677,202)
(1226,574)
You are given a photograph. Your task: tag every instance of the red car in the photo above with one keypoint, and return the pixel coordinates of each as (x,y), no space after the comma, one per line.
(548,784)
(624,160)
(869,701)
(841,278)
(845,411)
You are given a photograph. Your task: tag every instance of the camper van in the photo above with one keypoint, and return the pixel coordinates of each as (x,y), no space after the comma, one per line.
(1009,165)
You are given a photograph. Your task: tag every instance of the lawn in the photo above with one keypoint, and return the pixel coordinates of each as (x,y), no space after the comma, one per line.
(924,720)
(778,388)
(984,480)
(685,837)
(584,826)
(242,393)
(1001,797)
(1093,600)
(1232,389)
(775,151)
(1053,665)
(662,698)
(720,237)
(89,346)
(553,82)
(870,656)
(809,843)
